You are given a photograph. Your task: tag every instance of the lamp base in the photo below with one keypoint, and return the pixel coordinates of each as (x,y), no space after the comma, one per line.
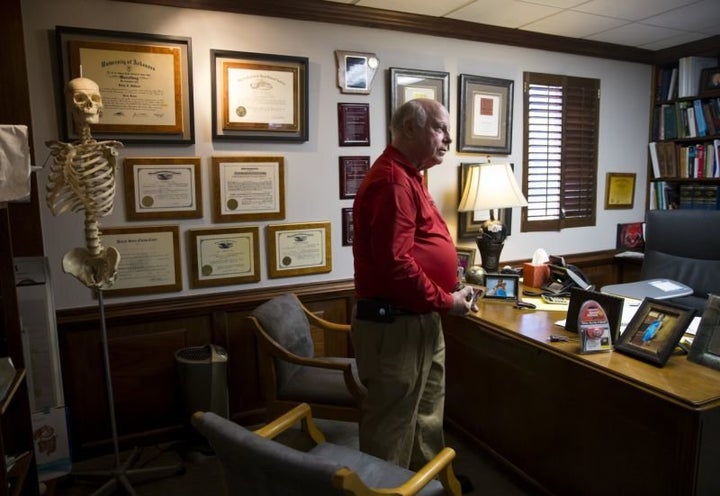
(489,253)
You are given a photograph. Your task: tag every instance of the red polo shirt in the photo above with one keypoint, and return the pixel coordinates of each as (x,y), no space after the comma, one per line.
(402,247)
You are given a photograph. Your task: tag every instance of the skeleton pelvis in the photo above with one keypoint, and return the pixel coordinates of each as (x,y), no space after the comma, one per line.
(95,271)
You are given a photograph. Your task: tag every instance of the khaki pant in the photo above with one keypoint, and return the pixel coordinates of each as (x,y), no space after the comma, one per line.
(402,364)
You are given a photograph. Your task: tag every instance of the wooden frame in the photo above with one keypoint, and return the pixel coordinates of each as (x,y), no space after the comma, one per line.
(705,348)
(234,202)
(348,230)
(149,259)
(352,171)
(408,84)
(485,115)
(466,258)
(128,67)
(654,331)
(299,249)
(709,82)
(163,188)
(619,190)
(242,85)
(470,223)
(221,257)
(355,71)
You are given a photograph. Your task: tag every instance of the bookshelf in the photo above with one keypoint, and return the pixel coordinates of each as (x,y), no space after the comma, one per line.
(684,145)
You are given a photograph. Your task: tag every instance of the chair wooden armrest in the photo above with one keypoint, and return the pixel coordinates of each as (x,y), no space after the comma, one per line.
(300,413)
(322,323)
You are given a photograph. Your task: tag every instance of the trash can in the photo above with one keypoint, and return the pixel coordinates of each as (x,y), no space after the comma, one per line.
(202,377)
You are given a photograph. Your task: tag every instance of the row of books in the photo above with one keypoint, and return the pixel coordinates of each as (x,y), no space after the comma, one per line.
(698,160)
(667,195)
(687,119)
(683,80)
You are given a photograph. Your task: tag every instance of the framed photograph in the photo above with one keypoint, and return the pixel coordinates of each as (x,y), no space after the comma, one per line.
(654,330)
(355,71)
(354,124)
(352,172)
(469,223)
(145,83)
(619,190)
(149,259)
(705,348)
(221,257)
(607,307)
(485,115)
(347,226)
(163,188)
(466,258)
(248,188)
(408,84)
(710,82)
(259,97)
(502,286)
(299,249)
(630,236)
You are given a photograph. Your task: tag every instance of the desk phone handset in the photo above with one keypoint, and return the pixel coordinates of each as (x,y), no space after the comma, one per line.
(563,277)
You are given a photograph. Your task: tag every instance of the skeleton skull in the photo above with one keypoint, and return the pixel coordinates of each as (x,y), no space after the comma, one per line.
(85,101)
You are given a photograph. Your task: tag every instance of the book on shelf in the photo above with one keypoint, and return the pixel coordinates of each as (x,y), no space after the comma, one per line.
(689,70)
(700,124)
(663,157)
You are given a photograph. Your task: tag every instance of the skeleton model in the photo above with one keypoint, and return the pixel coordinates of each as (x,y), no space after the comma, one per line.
(82,177)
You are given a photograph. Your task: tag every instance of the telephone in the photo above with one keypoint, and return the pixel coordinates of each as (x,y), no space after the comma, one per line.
(563,277)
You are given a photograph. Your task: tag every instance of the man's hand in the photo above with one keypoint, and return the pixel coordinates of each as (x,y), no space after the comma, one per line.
(462,300)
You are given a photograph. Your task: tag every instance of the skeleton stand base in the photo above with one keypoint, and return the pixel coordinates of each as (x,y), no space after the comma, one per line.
(123,473)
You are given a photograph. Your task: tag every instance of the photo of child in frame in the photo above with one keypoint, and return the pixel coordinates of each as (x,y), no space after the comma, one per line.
(710,82)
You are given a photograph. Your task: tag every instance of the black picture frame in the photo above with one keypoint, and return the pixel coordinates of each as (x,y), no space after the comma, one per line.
(705,348)
(469,226)
(114,60)
(612,306)
(485,107)
(654,331)
(347,226)
(709,82)
(509,283)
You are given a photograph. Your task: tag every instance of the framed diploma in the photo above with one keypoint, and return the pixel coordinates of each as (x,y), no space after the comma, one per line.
(259,97)
(354,124)
(221,257)
(485,115)
(619,190)
(352,173)
(248,188)
(408,84)
(149,259)
(145,83)
(298,249)
(163,188)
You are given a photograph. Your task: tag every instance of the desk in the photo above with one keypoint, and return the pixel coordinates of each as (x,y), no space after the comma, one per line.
(600,424)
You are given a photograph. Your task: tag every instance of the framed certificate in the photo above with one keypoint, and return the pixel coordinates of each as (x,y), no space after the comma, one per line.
(619,190)
(163,188)
(248,188)
(298,249)
(259,97)
(485,115)
(224,256)
(408,84)
(149,259)
(145,83)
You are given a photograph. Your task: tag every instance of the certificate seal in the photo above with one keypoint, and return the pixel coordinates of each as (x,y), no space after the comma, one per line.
(241,111)
(147,201)
(287,261)
(232,204)
(207,270)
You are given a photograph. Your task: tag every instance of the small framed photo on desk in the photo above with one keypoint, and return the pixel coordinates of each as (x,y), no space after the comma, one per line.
(502,286)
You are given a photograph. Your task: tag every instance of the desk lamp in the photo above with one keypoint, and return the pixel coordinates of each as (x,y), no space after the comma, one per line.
(488,187)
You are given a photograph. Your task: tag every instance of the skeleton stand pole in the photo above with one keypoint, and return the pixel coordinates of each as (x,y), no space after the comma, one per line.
(123,473)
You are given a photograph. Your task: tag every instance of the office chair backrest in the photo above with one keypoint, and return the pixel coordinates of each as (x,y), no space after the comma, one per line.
(284,320)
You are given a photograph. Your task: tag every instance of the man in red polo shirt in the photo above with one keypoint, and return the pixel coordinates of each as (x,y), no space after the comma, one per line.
(405,274)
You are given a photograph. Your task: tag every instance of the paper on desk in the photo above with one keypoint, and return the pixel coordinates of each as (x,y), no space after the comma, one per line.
(665,285)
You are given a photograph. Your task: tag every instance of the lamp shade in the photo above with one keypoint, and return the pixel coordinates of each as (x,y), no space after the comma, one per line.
(491,186)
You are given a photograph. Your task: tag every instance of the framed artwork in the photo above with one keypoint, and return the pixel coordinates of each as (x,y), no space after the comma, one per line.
(408,84)
(145,83)
(485,115)
(347,226)
(630,236)
(149,259)
(248,188)
(259,97)
(163,188)
(354,124)
(220,257)
(705,348)
(654,331)
(611,307)
(502,286)
(709,82)
(298,249)
(352,172)
(619,190)
(470,223)
(466,258)
(355,71)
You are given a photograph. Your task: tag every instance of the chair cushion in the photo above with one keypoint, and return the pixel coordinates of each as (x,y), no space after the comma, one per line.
(373,471)
(317,385)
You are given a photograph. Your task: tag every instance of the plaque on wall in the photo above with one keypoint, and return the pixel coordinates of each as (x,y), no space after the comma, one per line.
(354,124)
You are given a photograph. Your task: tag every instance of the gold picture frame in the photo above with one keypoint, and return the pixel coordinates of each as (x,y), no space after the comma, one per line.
(298,249)
(224,256)
(163,188)
(619,190)
(234,200)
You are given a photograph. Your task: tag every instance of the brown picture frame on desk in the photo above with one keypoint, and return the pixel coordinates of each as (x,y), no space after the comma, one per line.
(654,331)
(705,348)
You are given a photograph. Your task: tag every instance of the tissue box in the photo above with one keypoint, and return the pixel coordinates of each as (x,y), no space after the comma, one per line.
(535,276)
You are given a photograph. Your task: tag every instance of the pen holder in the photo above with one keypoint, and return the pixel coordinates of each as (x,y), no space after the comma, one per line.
(534,276)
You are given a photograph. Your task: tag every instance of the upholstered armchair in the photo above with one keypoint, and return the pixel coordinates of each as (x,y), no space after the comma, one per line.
(253,463)
(291,374)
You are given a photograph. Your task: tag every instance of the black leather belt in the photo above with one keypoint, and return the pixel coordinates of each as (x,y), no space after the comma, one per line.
(377,310)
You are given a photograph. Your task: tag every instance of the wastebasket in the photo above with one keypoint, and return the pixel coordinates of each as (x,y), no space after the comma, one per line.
(202,377)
